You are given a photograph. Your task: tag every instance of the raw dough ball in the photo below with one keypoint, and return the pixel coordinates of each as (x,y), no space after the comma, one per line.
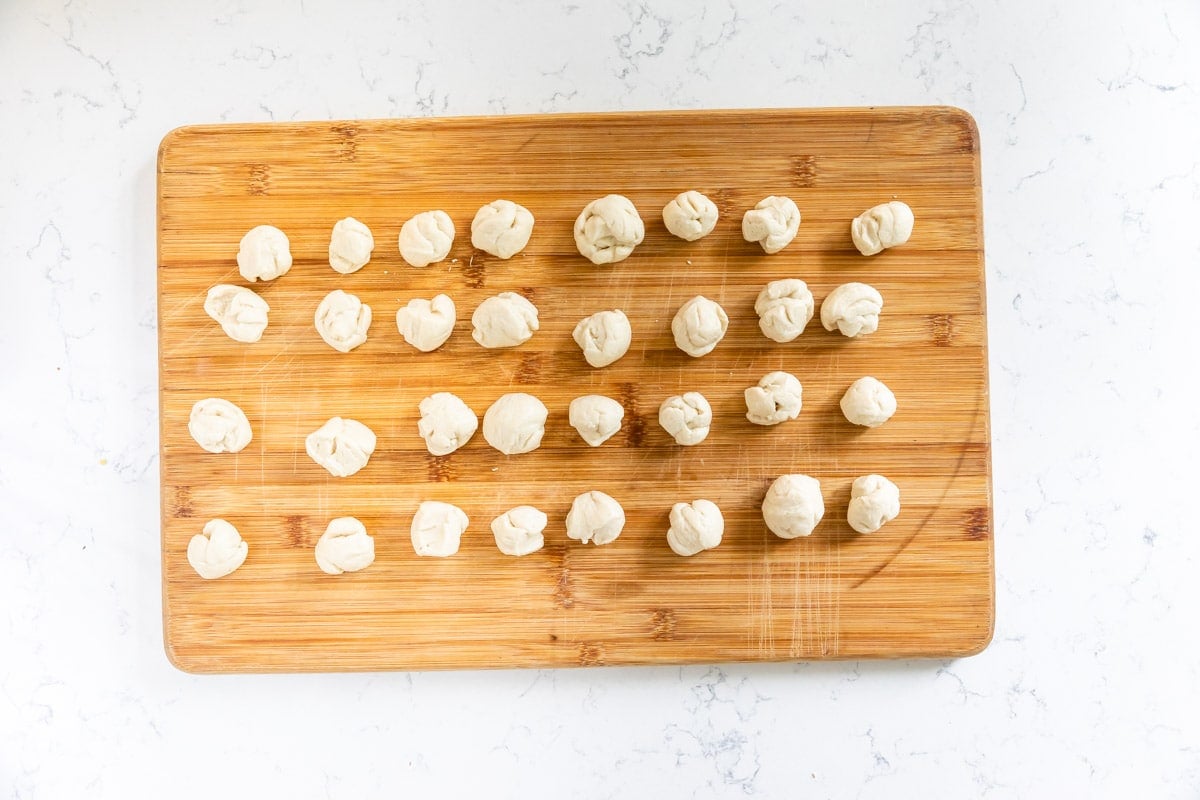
(596,417)
(874,502)
(219,426)
(852,308)
(218,551)
(345,547)
(793,506)
(604,337)
(784,308)
(698,325)
(518,531)
(264,254)
(690,216)
(772,223)
(426,238)
(501,228)
(341,446)
(595,517)
(427,324)
(686,417)
(242,313)
(515,423)
(437,529)
(608,229)
(695,526)
(447,423)
(775,399)
(342,320)
(868,402)
(350,246)
(886,225)
(505,320)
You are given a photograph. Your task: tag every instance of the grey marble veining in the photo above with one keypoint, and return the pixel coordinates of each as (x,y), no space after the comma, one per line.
(1087,113)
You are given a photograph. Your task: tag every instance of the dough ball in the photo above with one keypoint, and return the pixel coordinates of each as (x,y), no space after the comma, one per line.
(596,417)
(426,238)
(868,402)
(345,547)
(350,246)
(264,254)
(874,502)
(342,446)
(775,399)
(427,324)
(695,526)
(437,529)
(219,426)
(518,531)
(772,223)
(446,424)
(852,308)
(886,225)
(342,320)
(595,517)
(241,313)
(501,228)
(218,551)
(686,417)
(793,506)
(784,308)
(505,320)
(604,337)
(698,325)
(515,423)
(690,216)
(608,229)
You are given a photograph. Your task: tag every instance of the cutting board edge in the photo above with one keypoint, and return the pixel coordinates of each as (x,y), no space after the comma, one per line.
(170,137)
(210,666)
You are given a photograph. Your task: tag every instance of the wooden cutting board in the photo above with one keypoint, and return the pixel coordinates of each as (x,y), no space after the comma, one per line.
(922,586)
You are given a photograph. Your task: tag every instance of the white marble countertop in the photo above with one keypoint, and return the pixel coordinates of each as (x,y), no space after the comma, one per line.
(1088,116)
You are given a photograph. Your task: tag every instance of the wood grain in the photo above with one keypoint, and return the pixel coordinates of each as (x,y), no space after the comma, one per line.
(923,586)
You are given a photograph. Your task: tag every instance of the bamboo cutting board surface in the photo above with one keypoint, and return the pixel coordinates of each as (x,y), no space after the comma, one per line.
(922,586)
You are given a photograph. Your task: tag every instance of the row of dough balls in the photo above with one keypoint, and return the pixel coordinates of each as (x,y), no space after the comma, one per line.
(784,308)
(516,422)
(793,507)
(606,232)
(501,228)
(436,531)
